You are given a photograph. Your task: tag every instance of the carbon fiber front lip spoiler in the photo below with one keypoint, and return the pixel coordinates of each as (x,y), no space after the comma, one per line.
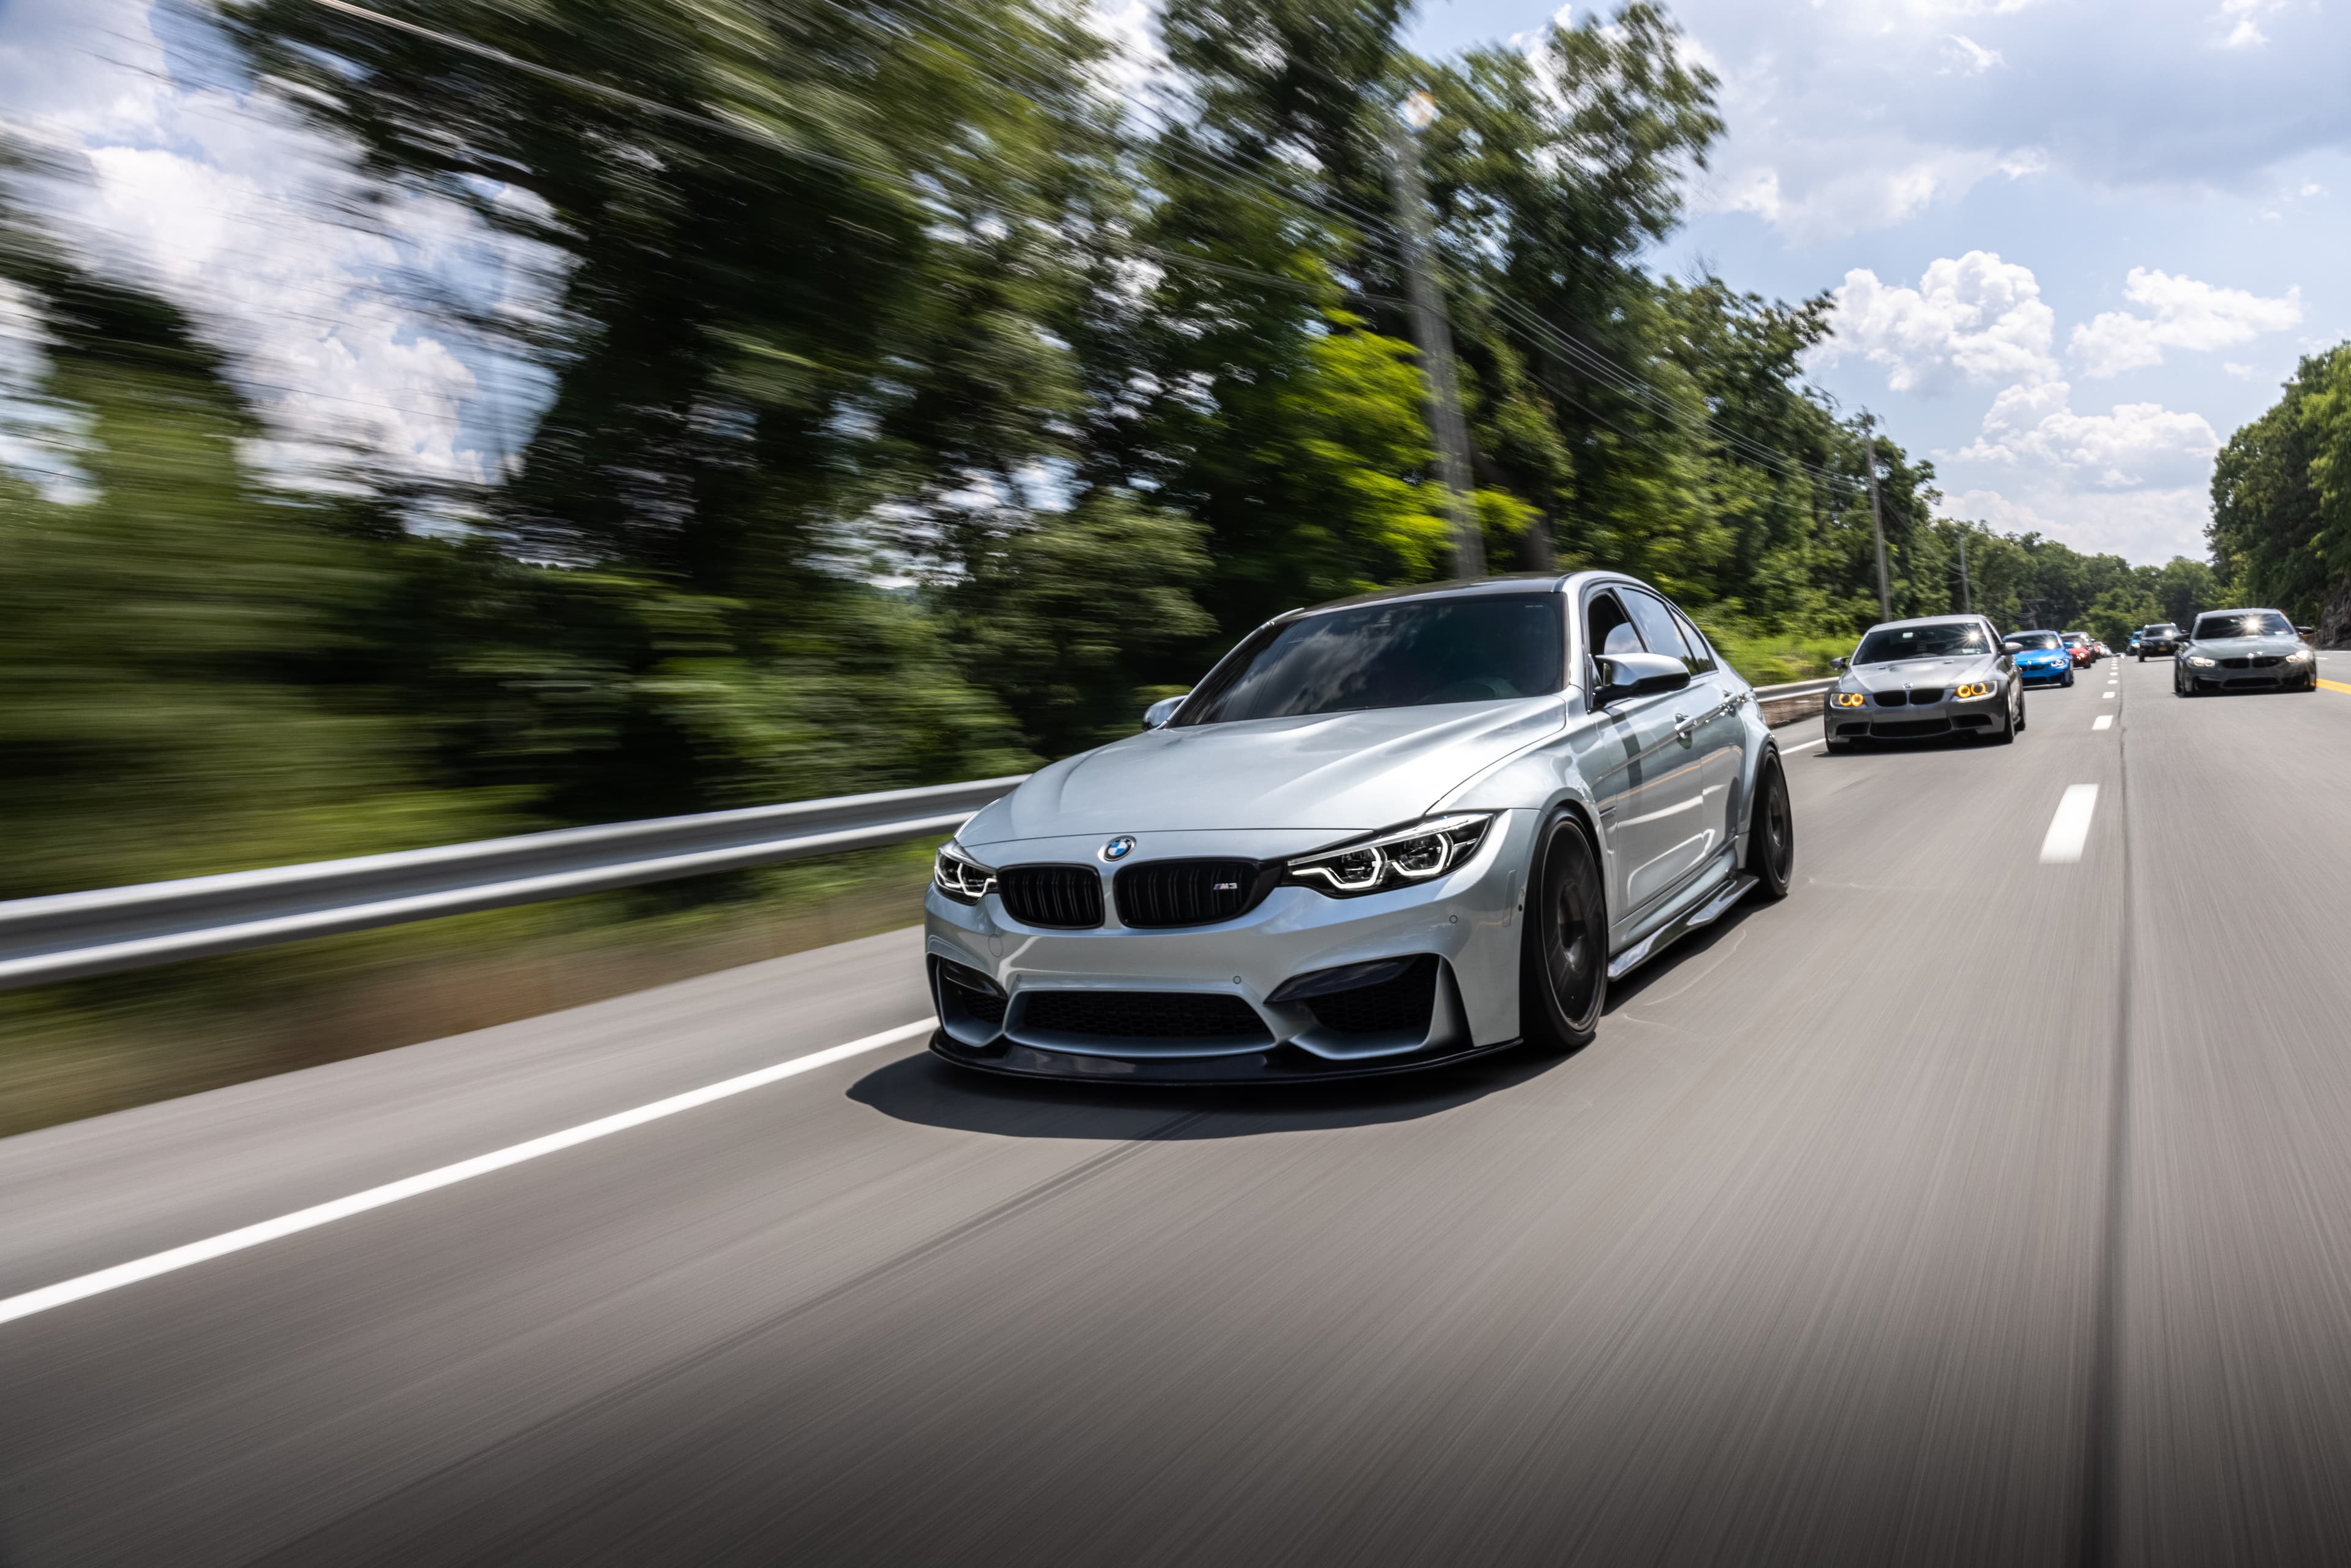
(1183,1072)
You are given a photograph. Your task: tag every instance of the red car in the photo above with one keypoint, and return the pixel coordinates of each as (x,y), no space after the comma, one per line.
(2084,651)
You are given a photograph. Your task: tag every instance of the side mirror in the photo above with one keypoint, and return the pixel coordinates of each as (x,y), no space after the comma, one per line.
(2012,647)
(1160,711)
(1840,664)
(1623,676)
(2304,630)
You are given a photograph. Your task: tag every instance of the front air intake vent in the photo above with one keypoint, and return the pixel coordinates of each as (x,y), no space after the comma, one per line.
(1140,1015)
(1191,892)
(1063,897)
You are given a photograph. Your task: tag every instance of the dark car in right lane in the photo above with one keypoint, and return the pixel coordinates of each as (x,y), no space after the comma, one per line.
(2244,651)
(2162,637)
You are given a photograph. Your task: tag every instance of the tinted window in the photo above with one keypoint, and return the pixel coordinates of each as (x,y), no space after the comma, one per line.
(1656,624)
(1940,641)
(1701,654)
(2035,639)
(1406,655)
(1607,629)
(2244,623)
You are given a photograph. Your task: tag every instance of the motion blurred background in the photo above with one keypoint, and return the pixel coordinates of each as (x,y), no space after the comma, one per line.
(799,397)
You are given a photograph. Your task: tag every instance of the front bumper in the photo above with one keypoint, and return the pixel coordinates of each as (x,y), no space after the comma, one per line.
(1947,716)
(1197,1004)
(2222,679)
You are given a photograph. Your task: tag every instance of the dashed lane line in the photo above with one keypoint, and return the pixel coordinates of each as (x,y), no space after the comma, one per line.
(301,1219)
(2069,830)
(2103,721)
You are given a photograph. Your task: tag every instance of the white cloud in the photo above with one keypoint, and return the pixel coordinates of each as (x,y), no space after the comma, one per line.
(2148,525)
(2183,314)
(2242,372)
(2246,32)
(229,206)
(1970,58)
(1975,317)
(2138,446)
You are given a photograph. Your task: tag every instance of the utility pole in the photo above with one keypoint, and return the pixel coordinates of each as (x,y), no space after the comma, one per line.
(1428,325)
(1876,523)
(1967,595)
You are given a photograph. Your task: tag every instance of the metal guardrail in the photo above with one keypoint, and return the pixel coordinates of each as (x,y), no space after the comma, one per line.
(1793,689)
(72,935)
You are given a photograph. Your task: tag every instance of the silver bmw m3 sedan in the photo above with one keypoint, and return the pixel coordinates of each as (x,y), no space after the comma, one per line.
(1916,680)
(1382,834)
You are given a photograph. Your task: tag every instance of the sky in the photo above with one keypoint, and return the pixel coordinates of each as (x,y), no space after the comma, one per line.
(2073,244)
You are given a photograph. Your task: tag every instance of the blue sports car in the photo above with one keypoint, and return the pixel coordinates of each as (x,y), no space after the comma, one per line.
(2042,658)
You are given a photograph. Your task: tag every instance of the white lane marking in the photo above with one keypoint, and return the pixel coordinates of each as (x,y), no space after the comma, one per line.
(2103,721)
(1800,745)
(228,1242)
(2070,827)
(2108,697)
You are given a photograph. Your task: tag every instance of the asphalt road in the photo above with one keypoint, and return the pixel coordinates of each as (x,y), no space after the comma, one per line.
(1967,1207)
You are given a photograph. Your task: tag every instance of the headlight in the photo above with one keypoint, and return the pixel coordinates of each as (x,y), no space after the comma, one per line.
(1391,859)
(1967,689)
(1847,699)
(960,876)
(2299,656)
(2201,661)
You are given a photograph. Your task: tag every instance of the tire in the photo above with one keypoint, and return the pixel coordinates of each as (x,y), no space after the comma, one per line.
(2020,710)
(2068,681)
(1564,956)
(2012,720)
(1771,832)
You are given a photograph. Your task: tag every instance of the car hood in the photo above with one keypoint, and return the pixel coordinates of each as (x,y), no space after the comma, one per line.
(2243,647)
(1903,672)
(1341,772)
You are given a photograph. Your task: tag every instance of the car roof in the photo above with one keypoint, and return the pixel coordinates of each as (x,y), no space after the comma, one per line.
(1968,618)
(1505,582)
(2246,610)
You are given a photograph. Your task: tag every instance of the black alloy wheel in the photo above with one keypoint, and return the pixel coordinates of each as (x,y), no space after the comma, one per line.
(1564,962)
(1772,834)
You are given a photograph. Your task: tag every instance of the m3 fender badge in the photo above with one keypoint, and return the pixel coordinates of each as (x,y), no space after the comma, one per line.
(1119,848)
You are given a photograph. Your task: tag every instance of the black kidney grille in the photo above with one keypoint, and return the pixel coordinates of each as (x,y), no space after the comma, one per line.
(1142,1015)
(1919,695)
(1189,893)
(1893,699)
(1398,1006)
(1067,897)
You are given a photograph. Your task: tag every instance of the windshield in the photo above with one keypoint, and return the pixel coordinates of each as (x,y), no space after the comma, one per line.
(1890,643)
(1407,654)
(2244,623)
(2079,638)
(2035,639)
(2162,629)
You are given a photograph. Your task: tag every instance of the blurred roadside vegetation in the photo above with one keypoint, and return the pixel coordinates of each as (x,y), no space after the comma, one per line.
(2281,501)
(926,426)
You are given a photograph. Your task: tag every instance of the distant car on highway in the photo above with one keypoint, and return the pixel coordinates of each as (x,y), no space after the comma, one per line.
(2083,650)
(2104,652)
(1913,680)
(1385,833)
(2134,644)
(2162,637)
(2244,651)
(2042,658)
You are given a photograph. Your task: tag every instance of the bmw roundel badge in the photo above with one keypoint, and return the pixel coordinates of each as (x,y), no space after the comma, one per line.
(1119,848)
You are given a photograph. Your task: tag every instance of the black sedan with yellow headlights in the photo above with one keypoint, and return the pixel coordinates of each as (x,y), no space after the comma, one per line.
(1927,679)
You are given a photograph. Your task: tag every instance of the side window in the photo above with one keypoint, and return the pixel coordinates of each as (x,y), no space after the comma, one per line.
(1657,628)
(1701,654)
(1607,629)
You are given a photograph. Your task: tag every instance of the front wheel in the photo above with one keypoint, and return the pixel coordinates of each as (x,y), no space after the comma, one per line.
(2012,720)
(2068,680)
(1563,959)
(1772,831)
